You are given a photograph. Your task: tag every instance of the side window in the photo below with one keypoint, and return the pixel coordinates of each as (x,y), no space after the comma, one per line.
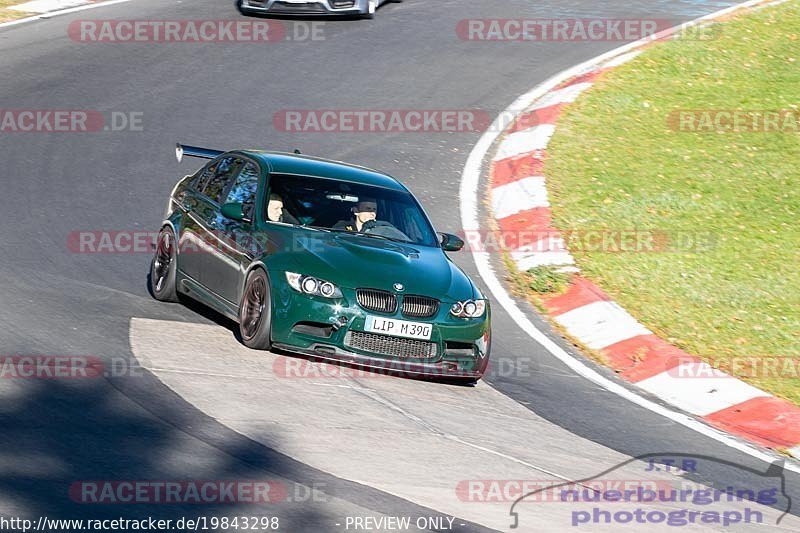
(410,225)
(205,174)
(244,189)
(223,173)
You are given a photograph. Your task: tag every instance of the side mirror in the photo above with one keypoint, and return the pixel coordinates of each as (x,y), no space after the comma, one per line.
(451,243)
(234,211)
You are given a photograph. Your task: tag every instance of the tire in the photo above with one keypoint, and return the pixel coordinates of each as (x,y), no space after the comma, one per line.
(164,267)
(371,9)
(246,11)
(255,312)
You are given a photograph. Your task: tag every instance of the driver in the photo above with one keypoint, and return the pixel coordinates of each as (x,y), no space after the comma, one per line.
(365,214)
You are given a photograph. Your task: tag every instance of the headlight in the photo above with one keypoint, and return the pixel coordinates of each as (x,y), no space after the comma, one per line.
(310,285)
(313,286)
(468,309)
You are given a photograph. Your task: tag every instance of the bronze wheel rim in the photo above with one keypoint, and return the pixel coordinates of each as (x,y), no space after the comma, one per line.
(163,261)
(253,307)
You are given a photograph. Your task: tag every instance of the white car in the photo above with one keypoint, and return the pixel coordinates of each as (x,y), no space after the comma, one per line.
(365,8)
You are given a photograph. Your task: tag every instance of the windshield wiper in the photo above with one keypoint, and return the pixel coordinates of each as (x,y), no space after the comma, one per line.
(358,233)
(377,236)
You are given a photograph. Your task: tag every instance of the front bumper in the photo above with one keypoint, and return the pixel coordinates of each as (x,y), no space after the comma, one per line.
(306,7)
(440,370)
(329,328)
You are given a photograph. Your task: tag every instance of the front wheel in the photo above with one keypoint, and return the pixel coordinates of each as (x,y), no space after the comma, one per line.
(164,266)
(243,10)
(255,312)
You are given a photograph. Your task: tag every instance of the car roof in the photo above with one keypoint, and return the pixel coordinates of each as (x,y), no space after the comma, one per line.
(303,165)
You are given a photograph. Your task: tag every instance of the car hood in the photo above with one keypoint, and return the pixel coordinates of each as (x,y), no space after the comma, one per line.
(355,261)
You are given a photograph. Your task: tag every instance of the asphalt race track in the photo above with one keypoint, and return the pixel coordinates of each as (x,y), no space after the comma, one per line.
(191,403)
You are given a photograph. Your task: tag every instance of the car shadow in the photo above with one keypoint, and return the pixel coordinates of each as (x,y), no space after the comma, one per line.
(74,449)
(76,441)
(221,320)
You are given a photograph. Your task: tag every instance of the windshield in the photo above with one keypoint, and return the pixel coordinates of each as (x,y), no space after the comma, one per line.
(333,205)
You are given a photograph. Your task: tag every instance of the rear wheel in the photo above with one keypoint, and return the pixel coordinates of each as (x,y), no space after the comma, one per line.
(164,266)
(255,312)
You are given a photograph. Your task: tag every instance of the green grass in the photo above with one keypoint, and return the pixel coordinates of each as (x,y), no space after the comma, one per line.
(11,14)
(615,163)
(545,280)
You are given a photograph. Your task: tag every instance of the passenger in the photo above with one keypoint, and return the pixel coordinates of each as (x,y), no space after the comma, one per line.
(276,212)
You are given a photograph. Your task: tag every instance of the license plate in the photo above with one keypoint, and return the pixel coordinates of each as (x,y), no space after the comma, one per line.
(398,328)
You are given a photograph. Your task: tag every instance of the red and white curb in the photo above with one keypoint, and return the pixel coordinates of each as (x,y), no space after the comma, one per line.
(519,202)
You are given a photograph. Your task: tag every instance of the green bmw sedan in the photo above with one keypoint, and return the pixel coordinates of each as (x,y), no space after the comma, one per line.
(324,259)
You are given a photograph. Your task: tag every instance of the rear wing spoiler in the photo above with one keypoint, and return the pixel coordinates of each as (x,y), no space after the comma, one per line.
(195,151)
